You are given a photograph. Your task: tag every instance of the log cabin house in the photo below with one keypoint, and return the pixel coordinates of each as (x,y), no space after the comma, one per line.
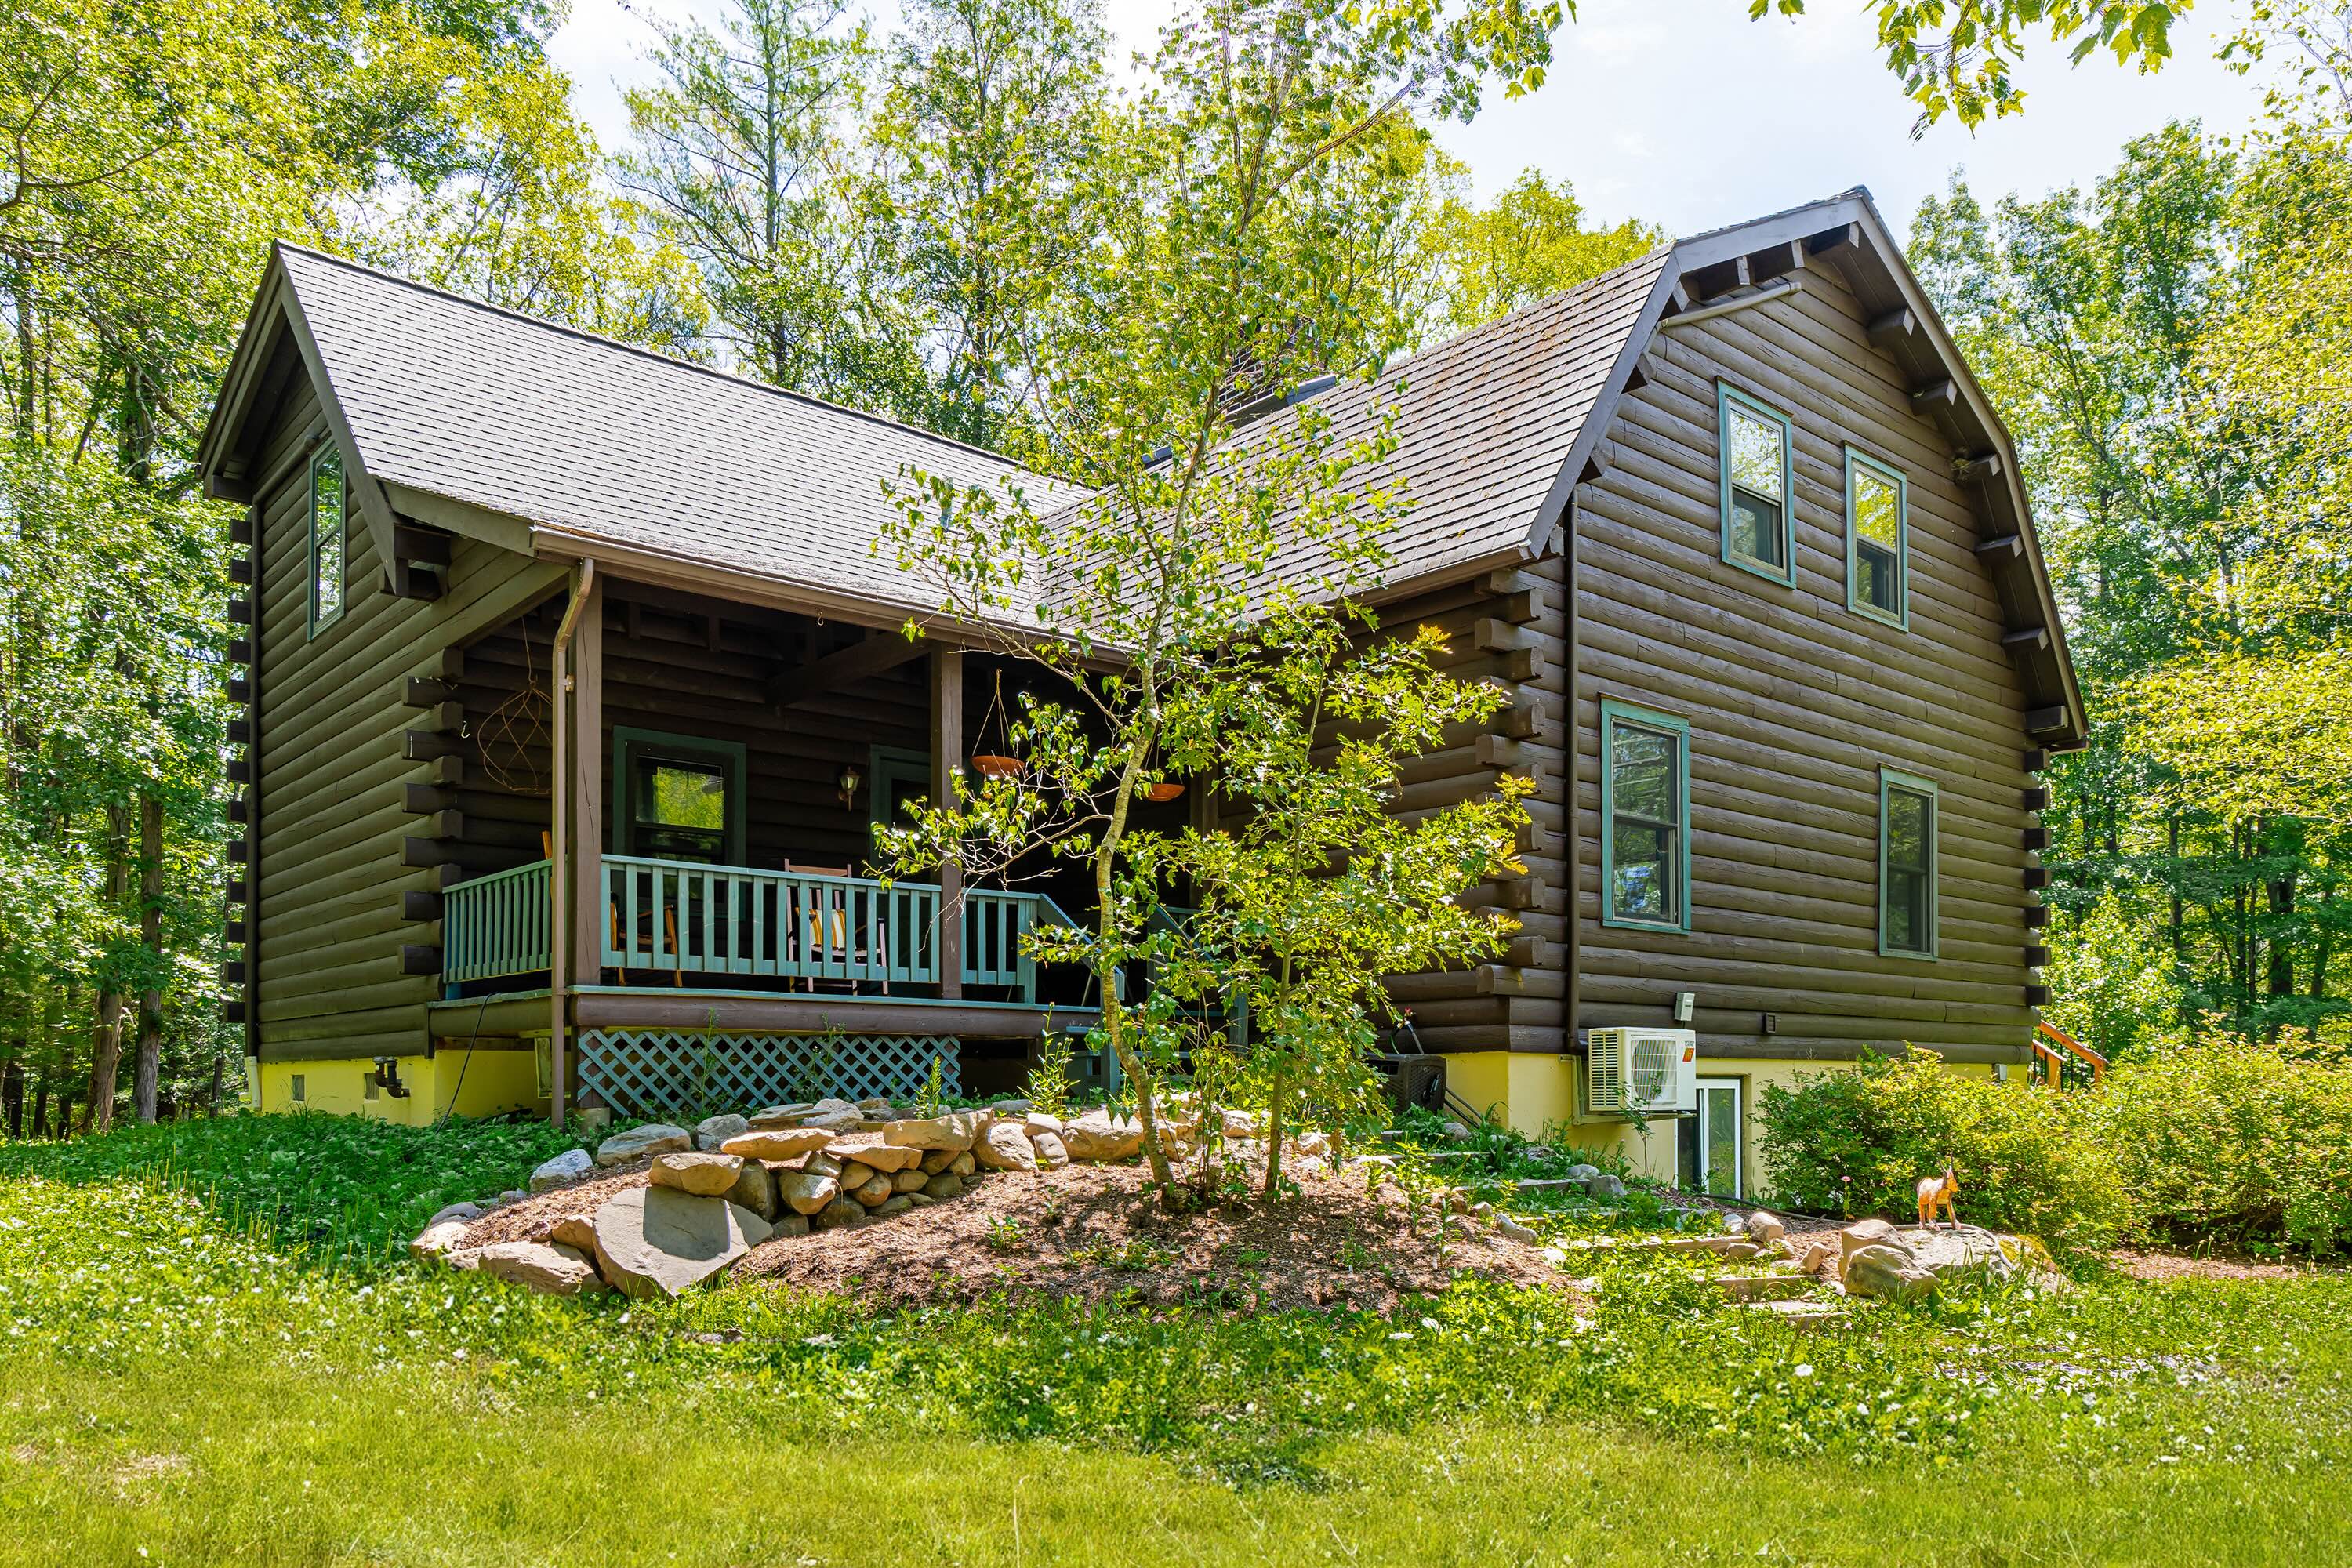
(573,689)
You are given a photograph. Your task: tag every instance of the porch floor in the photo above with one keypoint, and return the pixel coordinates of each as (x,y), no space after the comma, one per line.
(691,1007)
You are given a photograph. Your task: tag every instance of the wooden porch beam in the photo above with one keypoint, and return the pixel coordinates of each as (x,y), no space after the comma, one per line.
(947,766)
(877,652)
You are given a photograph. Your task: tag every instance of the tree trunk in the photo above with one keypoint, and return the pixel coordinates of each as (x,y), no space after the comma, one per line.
(150,933)
(12,1097)
(105,1034)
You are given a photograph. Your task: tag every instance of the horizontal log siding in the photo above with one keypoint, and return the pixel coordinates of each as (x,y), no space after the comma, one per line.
(328,754)
(1794,703)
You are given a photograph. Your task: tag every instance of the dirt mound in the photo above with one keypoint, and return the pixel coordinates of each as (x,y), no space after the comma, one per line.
(1088,1232)
(530,1219)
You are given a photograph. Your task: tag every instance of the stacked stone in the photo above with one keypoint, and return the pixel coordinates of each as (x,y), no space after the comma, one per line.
(733,1182)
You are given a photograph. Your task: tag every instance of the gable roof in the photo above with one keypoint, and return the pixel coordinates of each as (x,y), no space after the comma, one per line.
(593,444)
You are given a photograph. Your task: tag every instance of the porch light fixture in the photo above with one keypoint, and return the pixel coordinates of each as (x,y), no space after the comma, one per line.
(850,779)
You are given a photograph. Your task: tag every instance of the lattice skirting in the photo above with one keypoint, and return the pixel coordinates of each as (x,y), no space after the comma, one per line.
(654,1072)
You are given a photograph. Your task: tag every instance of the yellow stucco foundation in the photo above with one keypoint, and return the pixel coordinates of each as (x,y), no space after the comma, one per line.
(447,1083)
(1538,1095)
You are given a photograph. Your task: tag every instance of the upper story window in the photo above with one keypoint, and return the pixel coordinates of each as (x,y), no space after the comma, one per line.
(1906,866)
(327,509)
(1644,819)
(1754,439)
(1877,539)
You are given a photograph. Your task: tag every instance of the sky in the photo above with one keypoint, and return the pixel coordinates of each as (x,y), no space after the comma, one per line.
(1685,113)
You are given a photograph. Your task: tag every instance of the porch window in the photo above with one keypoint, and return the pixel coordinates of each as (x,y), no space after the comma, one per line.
(1644,809)
(1755,440)
(681,797)
(1906,866)
(1877,526)
(326,534)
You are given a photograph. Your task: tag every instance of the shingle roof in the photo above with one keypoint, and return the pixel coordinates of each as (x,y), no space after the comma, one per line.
(572,432)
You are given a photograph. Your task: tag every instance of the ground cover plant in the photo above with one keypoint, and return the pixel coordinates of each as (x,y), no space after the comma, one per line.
(206,1389)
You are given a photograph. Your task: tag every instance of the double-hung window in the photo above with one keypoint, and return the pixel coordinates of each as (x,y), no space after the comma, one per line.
(1756,439)
(1906,866)
(326,534)
(1877,539)
(1644,819)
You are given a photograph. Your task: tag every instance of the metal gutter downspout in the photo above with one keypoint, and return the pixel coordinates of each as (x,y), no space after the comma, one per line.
(559,878)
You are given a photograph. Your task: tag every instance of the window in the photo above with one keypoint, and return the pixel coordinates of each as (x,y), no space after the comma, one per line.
(1645,807)
(297,1088)
(1877,539)
(1755,440)
(681,798)
(899,778)
(326,534)
(1906,866)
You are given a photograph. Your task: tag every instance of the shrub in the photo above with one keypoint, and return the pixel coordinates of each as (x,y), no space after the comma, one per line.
(1857,1143)
(2230,1143)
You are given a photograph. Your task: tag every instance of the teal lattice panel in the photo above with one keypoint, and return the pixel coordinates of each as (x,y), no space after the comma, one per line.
(651,1072)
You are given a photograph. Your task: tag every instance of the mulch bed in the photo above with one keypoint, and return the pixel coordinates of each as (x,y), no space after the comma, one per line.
(1087,1233)
(2162,1266)
(532,1218)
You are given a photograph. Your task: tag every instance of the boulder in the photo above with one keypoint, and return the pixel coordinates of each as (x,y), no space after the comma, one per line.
(936,1159)
(1455,1132)
(657,1241)
(838,1115)
(712,1133)
(438,1241)
(781,1115)
(704,1175)
(561,1171)
(1312,1144)
(1015,1108)
(965,1163)
(1886,1274)
(1734,1224)
(1976,1253)
(897,1203)
(838,1213)
(909,1181)
(1506,1225)
(944,1186)
(1005,1148)
(918,1200)
(1094,1138)
(653,1138)
(1764,1228)
(574,1230)
(876,1191)
(549,1268)
(806,1194)
(1818,1256)
(1039,1121)
(777,1143)
(868,1149)
(1602,1184)
(755,1189)
(953,1133)
(1047,1147)
(790,1224)
(462,1209)
(1864,1233)
(1582,1173)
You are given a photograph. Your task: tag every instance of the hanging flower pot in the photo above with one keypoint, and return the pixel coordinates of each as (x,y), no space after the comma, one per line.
(988,766)
(1161,793)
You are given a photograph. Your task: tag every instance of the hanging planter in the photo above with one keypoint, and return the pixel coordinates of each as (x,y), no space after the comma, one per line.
(995,765)
(1163,792)
(990,766)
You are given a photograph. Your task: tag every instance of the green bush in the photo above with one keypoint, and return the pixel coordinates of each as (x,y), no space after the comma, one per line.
(1857,1143)
(2227,1142)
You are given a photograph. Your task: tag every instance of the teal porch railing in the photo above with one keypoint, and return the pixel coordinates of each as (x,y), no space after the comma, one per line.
(496,925)
(678,918)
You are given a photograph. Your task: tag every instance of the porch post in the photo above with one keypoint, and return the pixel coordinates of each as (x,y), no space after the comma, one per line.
(577,666)
(947,764)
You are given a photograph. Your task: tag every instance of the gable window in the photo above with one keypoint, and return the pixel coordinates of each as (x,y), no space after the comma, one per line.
(1877,539)
(1644,816)
(681,798)
(1755,440)
(326,534)
(1906,866)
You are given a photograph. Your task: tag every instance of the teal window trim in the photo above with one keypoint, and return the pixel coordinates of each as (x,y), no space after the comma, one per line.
(889,765)
(1726,397)
(1614,713)
(318,618)
(730,753)
(1900,617)
(1890,780)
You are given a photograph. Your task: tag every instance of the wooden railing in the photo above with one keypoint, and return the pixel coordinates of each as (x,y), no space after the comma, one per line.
(495,925)
(2051,1043)
(672,918)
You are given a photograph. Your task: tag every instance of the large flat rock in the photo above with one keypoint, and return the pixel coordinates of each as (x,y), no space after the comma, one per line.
(657,1241)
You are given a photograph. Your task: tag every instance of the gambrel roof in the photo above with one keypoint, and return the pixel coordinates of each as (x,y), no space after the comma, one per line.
(562,443)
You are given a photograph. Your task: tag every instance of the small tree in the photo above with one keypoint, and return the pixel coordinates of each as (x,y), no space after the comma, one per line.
(1322,888)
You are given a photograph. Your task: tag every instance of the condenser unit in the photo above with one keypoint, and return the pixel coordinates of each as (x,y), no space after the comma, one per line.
(1641,1072)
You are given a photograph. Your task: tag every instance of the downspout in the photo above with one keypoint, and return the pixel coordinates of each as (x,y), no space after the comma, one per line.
(559,878)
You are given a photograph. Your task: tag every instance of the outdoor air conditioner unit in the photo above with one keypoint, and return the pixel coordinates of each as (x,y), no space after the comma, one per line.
(1641,1072)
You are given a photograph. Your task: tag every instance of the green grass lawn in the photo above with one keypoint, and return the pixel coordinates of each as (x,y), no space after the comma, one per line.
(201,1388)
